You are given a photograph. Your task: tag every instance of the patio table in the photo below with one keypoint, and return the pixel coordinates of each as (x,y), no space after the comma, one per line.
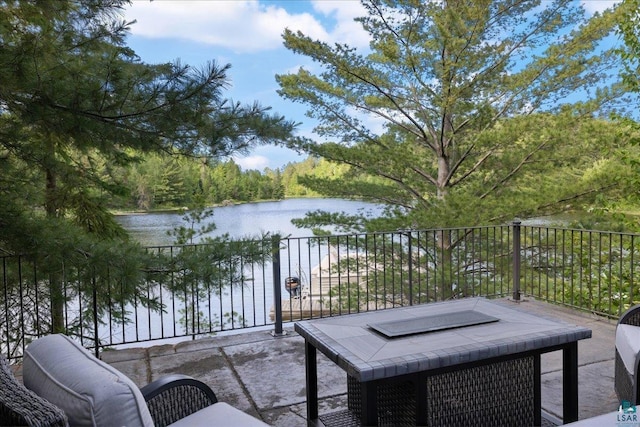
(461,362)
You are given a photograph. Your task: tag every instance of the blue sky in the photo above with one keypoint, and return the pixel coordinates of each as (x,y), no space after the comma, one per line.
(247,35)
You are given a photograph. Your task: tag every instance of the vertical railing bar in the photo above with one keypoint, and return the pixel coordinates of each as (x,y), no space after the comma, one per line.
(410,266)
(243,306)
(488,245)
(564,261)
(621,269)
(329,265)
(299,276)
(196,284)
(599,269)
(220,281)
(348,256)
(358,275)
(610,310)
(632,264)
(516,260)
(149,309)
(211,292)
(36,299)
(161,297)
(264,280)
(289,275)
(477,257)
(541,246)
(20,298)
(571,260)
(80,308)
(581,271)
(253,293)
(110,311)
(400,264)
(5,282)
(339,275)
(555,265)
(474,261)
(96,336)
(367,271)
(173,295)
(320,275)
(375,271)
(66,308)
(461,259)
(277,297)
(392,269)
(230,280)
(383,245)
(589,271)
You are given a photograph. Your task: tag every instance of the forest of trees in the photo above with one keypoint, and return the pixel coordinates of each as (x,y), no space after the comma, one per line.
(458,113)
(162,181)
(483,111)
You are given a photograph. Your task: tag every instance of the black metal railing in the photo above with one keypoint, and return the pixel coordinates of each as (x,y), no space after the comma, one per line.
(196,290)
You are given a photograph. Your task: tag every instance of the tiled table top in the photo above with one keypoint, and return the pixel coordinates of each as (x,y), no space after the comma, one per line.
(367,355)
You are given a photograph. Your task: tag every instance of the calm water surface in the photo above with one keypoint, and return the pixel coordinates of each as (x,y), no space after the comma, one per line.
(242,220)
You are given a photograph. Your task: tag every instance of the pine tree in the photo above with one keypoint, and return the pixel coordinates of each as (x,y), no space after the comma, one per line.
(444,108)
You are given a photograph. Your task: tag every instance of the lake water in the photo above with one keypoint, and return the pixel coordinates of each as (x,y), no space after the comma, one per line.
(243,220)
(253,300)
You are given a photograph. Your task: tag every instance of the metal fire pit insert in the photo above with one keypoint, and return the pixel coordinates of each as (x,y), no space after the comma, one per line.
(419,325)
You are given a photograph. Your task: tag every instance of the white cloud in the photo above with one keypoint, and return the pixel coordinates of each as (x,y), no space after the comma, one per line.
(242,25)
(593,6)
(346,29)
(252,162)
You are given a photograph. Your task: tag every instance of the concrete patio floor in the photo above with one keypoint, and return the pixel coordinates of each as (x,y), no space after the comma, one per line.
(264,375)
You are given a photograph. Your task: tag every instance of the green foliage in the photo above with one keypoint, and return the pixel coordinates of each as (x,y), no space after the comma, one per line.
(580,268)
(474,109)
(215,266)
(629,31)
(77,106)
(164,181)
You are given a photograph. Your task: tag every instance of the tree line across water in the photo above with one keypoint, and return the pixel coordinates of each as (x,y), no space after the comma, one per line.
(162,181)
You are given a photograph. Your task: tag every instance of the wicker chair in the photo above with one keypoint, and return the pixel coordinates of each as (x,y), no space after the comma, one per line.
(628,350)
(65,384)
(22,407)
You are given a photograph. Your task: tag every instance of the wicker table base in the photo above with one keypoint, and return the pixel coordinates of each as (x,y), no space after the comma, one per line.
(505,393)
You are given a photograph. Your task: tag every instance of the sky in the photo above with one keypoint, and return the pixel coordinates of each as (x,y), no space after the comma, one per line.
(248,35)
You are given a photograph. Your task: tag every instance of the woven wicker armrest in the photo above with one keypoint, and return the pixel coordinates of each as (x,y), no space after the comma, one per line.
(626,383)
(22,407)
(174,397)
(631,316)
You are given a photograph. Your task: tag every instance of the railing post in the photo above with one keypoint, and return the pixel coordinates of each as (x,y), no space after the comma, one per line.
(277,290)
(516,260)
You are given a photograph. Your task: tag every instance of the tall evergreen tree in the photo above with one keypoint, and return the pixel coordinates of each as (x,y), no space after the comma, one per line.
(73,95)
(445,108)
(74,98)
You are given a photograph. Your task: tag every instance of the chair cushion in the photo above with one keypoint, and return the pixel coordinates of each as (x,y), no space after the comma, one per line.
(628,345)
(220,414)
(89,391)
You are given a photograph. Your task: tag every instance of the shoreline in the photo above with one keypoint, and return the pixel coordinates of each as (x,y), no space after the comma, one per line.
(219,205)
